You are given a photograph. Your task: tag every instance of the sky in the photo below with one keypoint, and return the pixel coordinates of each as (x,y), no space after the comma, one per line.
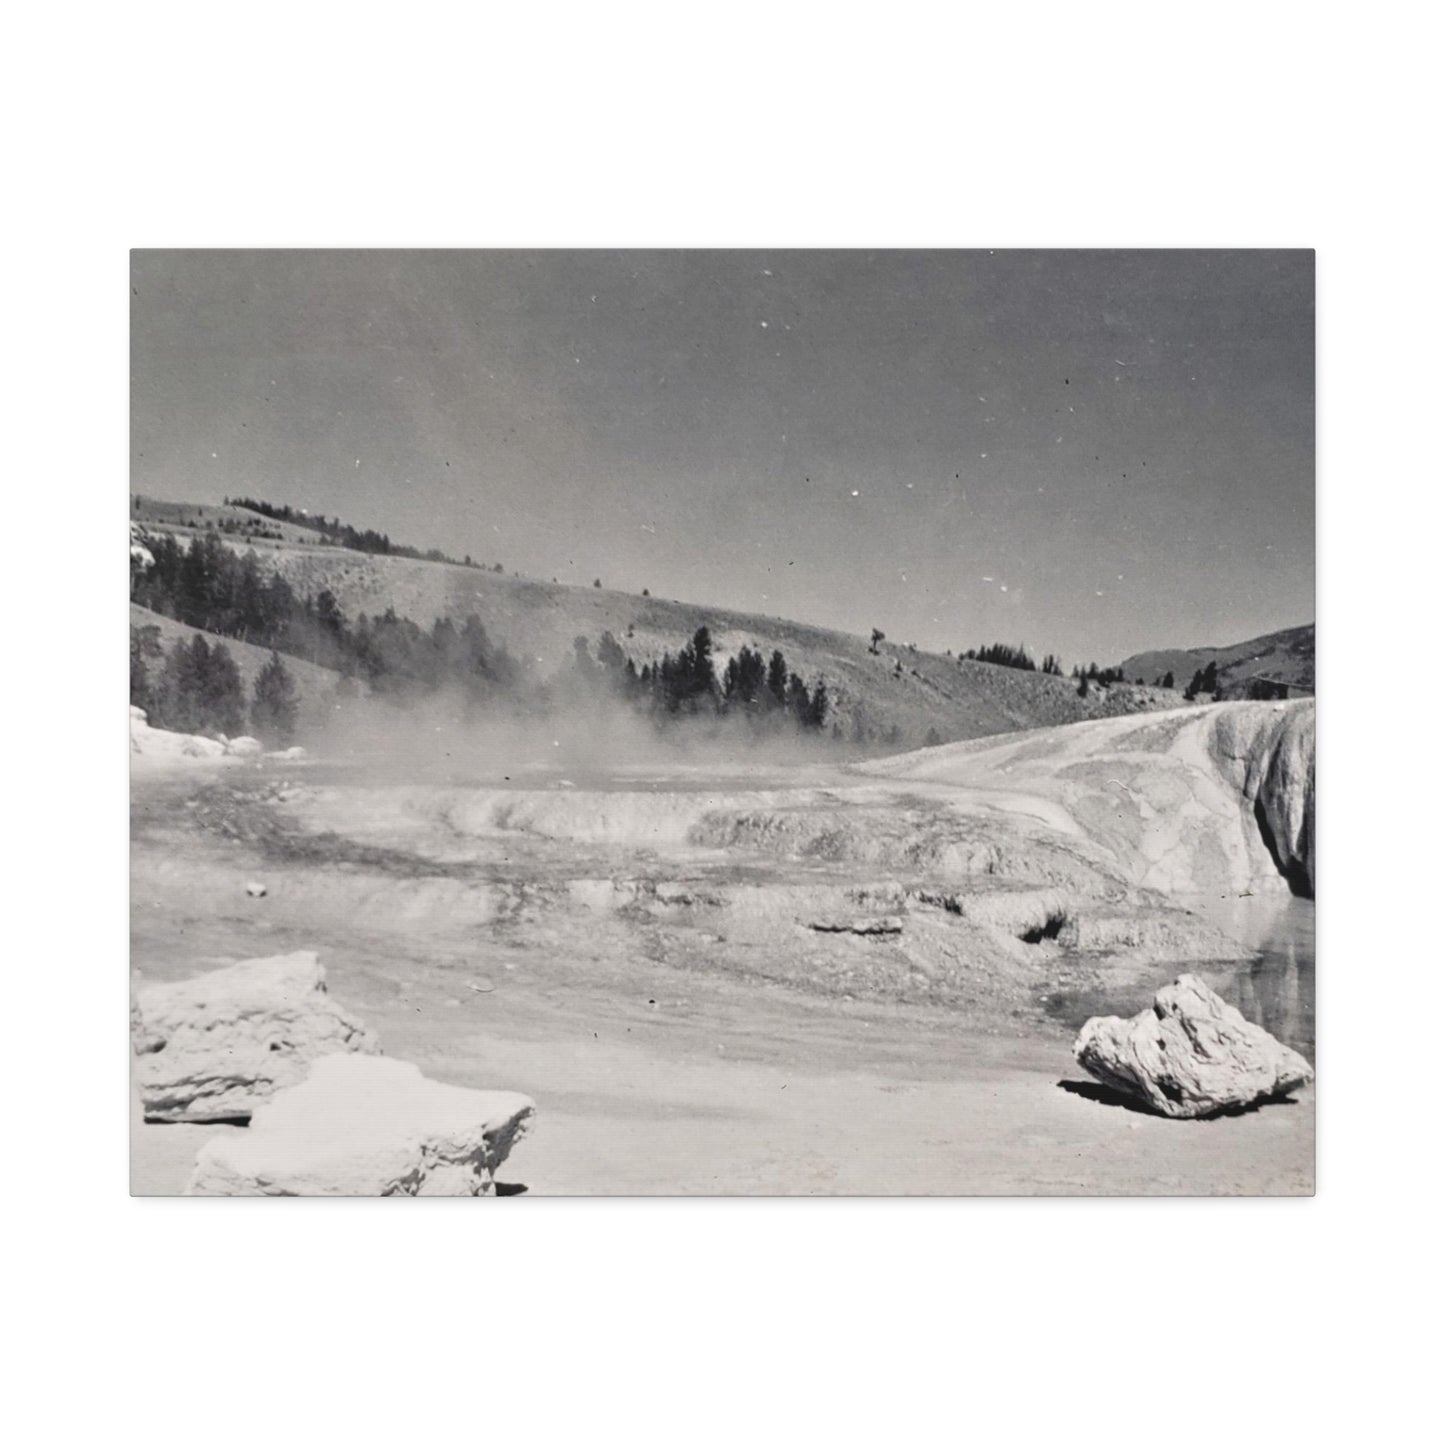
(1092,453)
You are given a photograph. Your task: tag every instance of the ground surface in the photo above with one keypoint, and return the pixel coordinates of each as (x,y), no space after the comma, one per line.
(808,981)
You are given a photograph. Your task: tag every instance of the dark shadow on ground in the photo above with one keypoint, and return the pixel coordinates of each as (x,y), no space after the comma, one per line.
(239,1121)
(1102,1094)
(503,1190)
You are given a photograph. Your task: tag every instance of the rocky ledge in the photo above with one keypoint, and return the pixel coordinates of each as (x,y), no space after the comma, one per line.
(216,1046)
(363,1125)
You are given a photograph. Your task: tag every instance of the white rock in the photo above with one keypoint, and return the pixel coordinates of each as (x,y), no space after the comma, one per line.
(244,747)
(160,747)
(141,555)
(215,1046)
(366,1126)
(1190,1055)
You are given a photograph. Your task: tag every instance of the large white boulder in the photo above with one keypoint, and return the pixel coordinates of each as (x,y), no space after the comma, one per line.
(160,746)
(366,1126)
(1190,1055)
(215,1046)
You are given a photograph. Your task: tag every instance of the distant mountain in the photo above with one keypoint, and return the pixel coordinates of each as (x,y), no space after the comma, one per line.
(1287,656)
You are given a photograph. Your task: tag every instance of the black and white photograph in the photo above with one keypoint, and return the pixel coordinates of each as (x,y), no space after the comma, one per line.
(726,722)
(723,825)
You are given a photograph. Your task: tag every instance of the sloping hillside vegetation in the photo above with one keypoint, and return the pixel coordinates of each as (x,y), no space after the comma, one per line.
(316,688)
(1286,657)
(877,693)
(190,519)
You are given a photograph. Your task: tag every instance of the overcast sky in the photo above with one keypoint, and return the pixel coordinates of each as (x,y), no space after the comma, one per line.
(1092,453)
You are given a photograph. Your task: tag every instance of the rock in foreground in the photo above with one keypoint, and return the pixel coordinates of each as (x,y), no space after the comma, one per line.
(160,746)
(366,1126)
(1190,1055)
(216,1046)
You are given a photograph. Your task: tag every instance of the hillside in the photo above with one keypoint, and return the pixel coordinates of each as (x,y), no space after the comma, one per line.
(189,519)
(897,694)
(315,686)
(1287,656)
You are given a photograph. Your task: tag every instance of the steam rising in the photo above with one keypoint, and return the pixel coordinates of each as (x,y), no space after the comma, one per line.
(439,739)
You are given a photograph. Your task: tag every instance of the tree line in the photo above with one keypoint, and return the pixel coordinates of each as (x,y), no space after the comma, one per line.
(220,591)
(196,688)
(1001,654)
(764,692)
(356,539)
(1102,676)
(209,586)
(1205,680)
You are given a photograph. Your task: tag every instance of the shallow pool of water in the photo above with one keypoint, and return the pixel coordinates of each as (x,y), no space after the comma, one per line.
(1274,989)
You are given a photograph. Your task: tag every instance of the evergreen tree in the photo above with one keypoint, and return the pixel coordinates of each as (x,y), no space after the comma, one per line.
(1001,654)
(145,647)
(799,703)
(273,705)
(703,682)
(177,697)
(745,678)
(818,706)
(610,653)
(223,696)
(192,586)
(247,594)
(330,618)
(777,680)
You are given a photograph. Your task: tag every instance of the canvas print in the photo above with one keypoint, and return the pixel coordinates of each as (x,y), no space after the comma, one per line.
(752,722)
